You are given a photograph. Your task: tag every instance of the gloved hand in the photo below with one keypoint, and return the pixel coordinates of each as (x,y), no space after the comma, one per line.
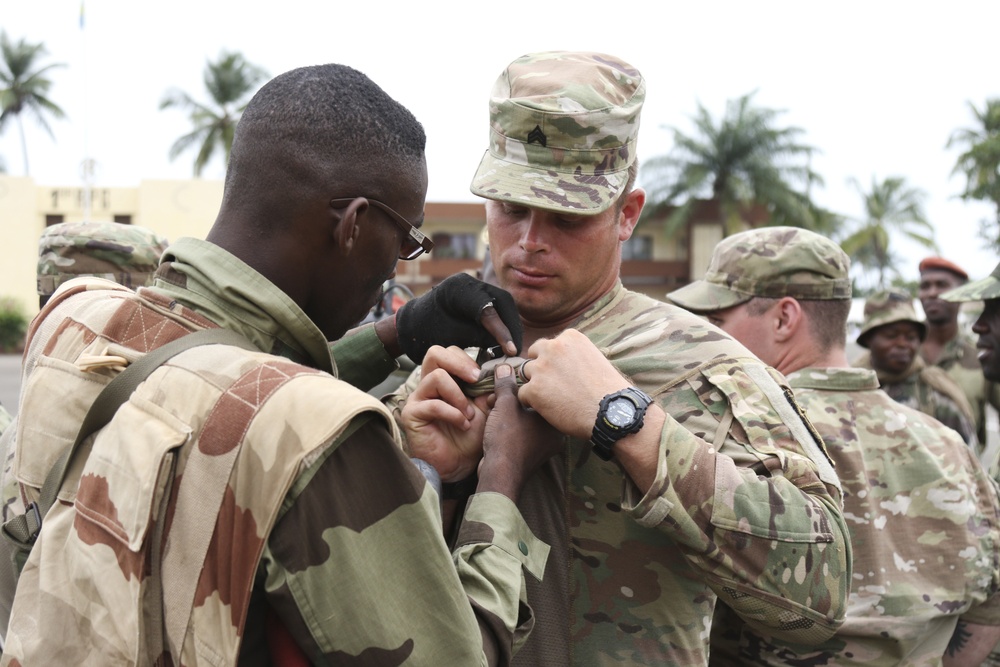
(461,311)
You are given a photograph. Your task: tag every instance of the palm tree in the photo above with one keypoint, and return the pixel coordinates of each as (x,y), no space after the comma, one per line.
(890,206)
(230,82)
(980,162)
(743,161)
(24,86)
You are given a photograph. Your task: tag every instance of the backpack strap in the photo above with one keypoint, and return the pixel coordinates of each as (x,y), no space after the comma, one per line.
(22,530)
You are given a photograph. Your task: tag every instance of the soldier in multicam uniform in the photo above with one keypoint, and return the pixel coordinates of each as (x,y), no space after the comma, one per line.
(320,529)
(726,492)
(125,254)
(954,350)
(892,335)
(987,328)
(923,516)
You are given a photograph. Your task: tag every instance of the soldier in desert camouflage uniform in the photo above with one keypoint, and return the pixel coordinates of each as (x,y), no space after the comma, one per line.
(125,254)
(922,514)
(725,493)
(892,333)
(953,350)
(321,529)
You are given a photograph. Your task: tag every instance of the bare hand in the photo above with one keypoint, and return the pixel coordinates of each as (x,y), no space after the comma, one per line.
(567,378)
(442,425)
(516,441)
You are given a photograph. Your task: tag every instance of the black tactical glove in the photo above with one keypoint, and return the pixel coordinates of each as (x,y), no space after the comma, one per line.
(453,314)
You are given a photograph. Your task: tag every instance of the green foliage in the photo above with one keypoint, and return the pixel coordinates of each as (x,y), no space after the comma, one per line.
(742,160)
(230,82)
(890,206)
(979,162)
(24,86)
(13,325)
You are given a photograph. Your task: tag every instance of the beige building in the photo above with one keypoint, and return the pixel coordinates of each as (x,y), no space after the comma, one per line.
(653,263)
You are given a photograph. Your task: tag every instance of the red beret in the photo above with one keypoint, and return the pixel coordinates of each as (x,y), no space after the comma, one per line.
(940,263)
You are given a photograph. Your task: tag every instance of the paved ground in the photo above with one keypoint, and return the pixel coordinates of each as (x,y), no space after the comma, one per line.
(10,380)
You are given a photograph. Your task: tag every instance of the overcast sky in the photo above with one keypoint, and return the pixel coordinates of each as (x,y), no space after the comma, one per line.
(878,86)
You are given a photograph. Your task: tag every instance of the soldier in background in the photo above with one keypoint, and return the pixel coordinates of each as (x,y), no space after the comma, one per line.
(892,335)
(924,580)
(954,350)
(126,254)
(987,346)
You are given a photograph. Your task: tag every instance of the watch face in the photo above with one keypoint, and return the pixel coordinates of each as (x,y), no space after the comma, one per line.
(621,412)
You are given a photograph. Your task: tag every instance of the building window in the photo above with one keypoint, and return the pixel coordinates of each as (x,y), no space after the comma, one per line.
(53,219)
(454,246)
(638,248)
(123,219)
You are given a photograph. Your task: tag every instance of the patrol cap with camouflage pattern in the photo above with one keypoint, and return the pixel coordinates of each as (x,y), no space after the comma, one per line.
(977,290)
(889,307)
(769,262)
(126,254)
(563,130)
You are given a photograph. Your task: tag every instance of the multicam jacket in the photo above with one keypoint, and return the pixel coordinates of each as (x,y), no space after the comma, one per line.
(745,506)
(929,390)
(924,520)
(324,521)
(959,360)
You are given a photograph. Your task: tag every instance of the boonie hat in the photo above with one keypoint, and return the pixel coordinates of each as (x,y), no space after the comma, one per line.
(977,290)
(769,262)
(126,254)
(889,307)
(563,130)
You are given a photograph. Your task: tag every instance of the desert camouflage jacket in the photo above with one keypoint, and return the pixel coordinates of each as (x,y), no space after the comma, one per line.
(324,521)
(924,524)
(745,506)
(959,360)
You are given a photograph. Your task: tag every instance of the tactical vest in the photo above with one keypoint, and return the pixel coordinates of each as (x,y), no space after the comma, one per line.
(182,487)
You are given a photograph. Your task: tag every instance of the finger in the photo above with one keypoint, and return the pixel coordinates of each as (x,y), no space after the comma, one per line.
(491,321)
(440,385)
(505,385)
(452,360)
(419,413)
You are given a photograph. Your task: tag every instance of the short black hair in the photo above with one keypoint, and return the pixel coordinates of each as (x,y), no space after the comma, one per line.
(323,128)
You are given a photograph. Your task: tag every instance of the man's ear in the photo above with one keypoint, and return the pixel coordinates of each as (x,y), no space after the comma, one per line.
(789,318)
(345,229)
(631,207)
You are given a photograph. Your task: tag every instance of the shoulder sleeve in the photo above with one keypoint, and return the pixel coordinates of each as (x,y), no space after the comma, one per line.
(361,359)
(357,567)
(753,509)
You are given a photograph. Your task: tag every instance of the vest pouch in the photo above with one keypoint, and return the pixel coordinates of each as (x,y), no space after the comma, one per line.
(111,534)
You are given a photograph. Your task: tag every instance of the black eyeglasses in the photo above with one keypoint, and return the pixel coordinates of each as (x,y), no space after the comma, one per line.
(415,243)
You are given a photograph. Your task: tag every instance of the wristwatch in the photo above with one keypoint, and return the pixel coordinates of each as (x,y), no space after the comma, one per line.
(620,414)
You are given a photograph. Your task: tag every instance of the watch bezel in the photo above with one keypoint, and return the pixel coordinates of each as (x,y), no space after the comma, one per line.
(605,433)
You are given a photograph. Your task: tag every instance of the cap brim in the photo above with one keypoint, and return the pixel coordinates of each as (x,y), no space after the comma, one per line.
(546,189)
(705,297)
(978,290)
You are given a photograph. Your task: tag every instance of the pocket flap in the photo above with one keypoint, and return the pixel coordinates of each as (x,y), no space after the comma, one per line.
(122,481)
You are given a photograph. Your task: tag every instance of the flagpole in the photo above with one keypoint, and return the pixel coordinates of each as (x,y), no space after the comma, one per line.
(87,166)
